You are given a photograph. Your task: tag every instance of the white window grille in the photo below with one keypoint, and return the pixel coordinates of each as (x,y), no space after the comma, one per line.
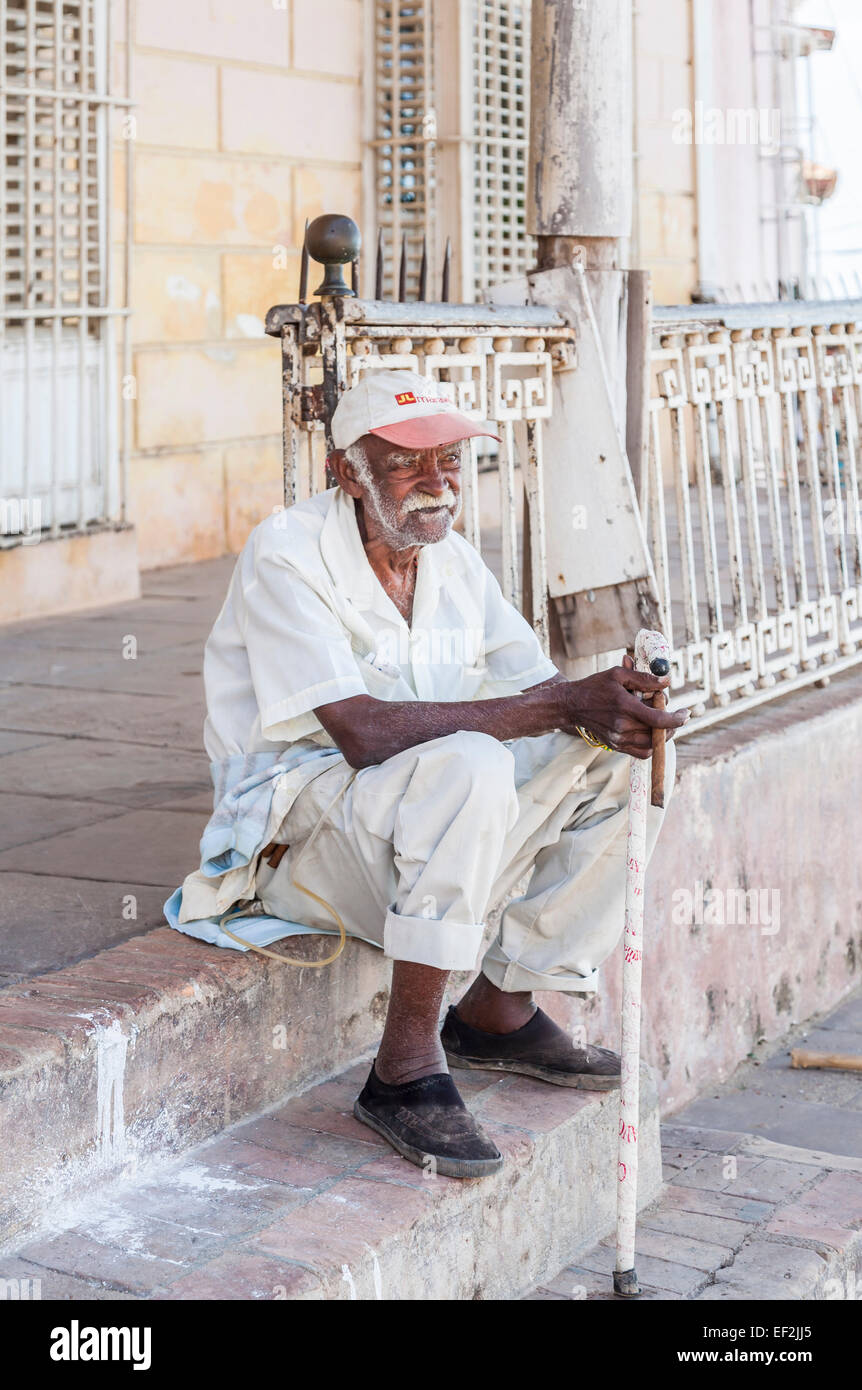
(451,74)
(58,308)
(404,135)
(501,66)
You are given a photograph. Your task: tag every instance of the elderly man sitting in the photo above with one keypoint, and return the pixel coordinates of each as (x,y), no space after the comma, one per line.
(386,732)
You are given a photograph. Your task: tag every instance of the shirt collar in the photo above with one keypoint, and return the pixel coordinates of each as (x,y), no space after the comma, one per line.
(345,558)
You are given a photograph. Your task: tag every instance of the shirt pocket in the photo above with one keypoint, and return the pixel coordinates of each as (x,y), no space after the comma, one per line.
(382,680)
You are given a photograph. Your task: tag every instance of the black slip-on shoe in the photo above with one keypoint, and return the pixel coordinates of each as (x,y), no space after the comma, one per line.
(539,1049)
(427,1122)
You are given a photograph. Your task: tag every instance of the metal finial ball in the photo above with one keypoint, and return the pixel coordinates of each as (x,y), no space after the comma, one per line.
(659,665)
(333,241)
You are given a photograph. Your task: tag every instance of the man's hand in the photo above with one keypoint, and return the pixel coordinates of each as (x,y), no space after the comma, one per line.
(608,707)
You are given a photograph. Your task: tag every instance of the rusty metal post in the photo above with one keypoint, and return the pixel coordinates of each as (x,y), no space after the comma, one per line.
(579,186)
(291,411)
(580,181)
(333,241)
(579,189)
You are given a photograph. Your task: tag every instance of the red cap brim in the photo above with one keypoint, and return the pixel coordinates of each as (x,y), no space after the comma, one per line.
(429,431)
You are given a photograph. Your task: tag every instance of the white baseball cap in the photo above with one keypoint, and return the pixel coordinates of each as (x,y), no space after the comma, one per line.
(403,408)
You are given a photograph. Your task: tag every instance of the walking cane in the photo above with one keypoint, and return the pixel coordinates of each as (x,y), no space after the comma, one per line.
(651,654)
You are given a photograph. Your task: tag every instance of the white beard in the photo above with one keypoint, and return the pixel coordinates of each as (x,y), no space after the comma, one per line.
(394,520)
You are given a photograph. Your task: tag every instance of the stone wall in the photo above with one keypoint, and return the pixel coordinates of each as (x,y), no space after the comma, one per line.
(665,206)
(248,121)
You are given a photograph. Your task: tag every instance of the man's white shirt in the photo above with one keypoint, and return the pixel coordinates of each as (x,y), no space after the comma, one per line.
(306,622)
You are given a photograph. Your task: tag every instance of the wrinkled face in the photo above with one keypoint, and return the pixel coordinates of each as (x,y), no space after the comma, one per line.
(410,496)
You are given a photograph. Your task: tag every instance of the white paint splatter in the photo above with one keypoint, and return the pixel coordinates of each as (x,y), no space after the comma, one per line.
(203,1179)
(111,1047)
(348,1279)
(375,1273)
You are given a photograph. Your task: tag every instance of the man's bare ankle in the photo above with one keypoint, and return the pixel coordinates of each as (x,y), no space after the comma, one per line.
(491,1010)
(395,1071)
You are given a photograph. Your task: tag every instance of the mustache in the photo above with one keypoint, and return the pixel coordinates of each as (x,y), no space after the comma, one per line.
(425,501)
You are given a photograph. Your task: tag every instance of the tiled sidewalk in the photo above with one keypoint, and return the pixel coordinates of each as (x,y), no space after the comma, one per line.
(94,739)
(785,1227)
(751,1210)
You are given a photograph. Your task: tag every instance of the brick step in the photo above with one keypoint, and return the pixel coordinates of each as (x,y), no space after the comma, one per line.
(741,1218)
(303,1202)
(149,1048)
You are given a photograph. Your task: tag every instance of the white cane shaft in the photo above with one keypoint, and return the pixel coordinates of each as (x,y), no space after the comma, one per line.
(627,1165)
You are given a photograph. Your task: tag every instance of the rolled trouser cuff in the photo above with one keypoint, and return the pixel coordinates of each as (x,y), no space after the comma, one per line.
(429,941)
(510,976)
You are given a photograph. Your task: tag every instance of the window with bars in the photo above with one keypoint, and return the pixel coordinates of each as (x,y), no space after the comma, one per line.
(428,55)
(53,255)
(404,135)
(501,117)
(57,342)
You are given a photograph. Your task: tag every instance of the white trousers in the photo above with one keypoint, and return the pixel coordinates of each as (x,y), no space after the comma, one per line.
(419,848)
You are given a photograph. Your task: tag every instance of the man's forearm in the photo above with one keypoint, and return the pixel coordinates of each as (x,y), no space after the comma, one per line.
(385,727)
(608,704)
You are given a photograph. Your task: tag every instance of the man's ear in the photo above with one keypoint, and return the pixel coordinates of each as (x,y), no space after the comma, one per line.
(343,473)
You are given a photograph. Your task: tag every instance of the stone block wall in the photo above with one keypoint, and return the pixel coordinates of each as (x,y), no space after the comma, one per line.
(248,121)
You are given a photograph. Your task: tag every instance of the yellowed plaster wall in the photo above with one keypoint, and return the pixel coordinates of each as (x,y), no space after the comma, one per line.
(666,206)
(248,121)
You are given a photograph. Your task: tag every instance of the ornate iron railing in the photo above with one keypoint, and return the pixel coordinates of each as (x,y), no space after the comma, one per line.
(496,363)
(751,497)
(749,484)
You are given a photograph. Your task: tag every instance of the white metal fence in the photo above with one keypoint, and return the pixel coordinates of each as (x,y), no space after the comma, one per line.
(749,484)
(751,497)
(63,442)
